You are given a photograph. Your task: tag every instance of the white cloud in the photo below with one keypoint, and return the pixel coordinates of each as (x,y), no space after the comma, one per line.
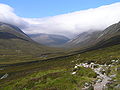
(7,15)
(66,24)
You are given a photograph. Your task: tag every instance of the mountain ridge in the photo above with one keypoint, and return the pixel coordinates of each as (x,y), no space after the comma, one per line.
(49,39)
(16,46)
(96,39)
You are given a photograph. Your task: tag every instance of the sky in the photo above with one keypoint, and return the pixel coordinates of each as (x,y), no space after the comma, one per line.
(45,8)
(63,17)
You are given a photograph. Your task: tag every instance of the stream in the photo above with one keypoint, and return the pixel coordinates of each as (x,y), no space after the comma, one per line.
(102,84)
(102,78)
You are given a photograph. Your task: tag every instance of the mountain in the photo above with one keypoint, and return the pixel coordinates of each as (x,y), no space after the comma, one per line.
(8,31)
(49,39)
(97,39)
(110,36)
(61,73)
(16,46)
(83,40)
(57,74)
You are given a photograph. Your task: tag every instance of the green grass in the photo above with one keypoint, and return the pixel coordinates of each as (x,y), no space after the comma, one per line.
(115,79)
(56,74)
(103,55)
(60,79)
(16,51)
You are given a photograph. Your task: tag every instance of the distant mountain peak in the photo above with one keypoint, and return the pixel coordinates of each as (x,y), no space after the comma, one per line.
(13,30)
(49,39)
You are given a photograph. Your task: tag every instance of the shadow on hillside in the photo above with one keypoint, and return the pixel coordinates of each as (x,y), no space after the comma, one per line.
(6,35)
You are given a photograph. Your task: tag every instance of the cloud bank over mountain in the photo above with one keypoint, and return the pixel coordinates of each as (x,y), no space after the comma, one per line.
(69,24)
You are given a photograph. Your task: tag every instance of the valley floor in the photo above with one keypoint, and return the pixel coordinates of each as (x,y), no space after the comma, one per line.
(85,71)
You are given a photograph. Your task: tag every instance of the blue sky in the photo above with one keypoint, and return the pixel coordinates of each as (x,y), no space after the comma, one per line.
(45,8)
(62,17)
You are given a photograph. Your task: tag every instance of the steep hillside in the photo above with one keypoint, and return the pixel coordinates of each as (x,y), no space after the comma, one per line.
(84,39)
(110,36)
(96,39)
(16,46)
(8,31)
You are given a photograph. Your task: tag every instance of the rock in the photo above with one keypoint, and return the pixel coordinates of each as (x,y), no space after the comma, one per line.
(72,61)
(112,60)
(4,76)
(103,71)
(73,73)
(105,87)
(114,80)
(76,66)
(87,84)
(96,66)
(112,76)
(99,80)
(117,61)
(117,87)
(110,82)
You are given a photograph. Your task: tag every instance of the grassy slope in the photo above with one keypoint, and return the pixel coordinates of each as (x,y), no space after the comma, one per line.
(16,50)
(115,79)
(103,55)
(16,46)
(56,74)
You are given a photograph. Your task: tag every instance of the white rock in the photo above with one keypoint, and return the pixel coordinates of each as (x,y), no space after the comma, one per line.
(116,60)
(4,76)
(75,66)
(73,73)
(113,60)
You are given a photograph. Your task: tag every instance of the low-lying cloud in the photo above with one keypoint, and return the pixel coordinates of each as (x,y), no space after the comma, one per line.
(69,24)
